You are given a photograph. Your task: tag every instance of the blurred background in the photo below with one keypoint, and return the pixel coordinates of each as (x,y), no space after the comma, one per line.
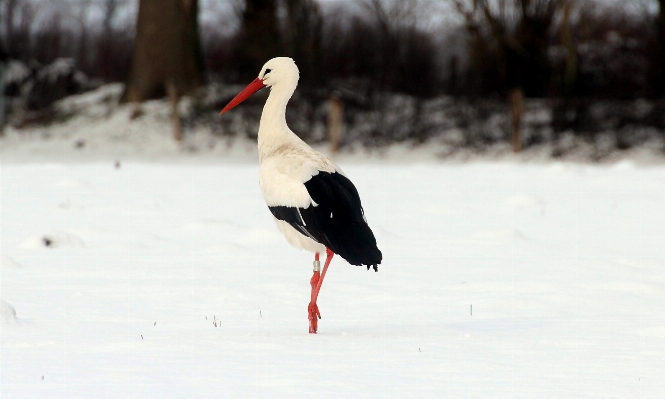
(556,76)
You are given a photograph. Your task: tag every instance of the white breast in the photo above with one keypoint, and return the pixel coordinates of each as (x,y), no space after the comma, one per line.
(284,171)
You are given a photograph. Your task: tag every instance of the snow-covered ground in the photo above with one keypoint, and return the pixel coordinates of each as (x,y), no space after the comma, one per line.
(170,280)
(135,266)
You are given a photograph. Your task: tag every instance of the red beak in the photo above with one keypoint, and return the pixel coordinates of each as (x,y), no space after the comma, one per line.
(251,88)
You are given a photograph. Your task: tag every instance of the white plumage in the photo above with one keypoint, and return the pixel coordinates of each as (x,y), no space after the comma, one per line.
(314,205)
(286,161)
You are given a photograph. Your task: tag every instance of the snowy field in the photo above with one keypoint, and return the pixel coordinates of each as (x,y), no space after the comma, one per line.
(170,280)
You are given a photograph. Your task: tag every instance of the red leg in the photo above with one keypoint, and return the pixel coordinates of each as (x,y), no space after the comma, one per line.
(315,282)
(313,310)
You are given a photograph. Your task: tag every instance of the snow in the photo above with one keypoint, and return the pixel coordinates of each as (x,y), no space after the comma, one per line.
(15,73)
(169,279)
(95,127)
(58,68)
(8,313)
(135,266)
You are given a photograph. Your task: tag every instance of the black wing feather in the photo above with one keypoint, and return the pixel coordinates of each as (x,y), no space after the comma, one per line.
(338,221)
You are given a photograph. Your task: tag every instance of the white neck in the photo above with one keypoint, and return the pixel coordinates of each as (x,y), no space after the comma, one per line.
(273,131)
(274,111)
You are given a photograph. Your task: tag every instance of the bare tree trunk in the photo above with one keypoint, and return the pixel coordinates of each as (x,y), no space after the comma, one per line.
(10,9)
(516,114)
(83,52)
(166,48)
(259,37)
(19,17)
(302,37)
(105,53)
(110,8)
(570,74)
(4,57)
(659,63)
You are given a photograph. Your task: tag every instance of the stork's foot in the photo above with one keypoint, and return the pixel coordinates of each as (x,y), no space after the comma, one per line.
(314,315)
(312,310)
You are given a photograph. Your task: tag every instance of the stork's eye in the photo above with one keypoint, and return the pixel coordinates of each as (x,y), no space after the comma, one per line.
(267,72)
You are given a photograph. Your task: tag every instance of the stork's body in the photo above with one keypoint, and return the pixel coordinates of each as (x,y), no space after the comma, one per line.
(314,205)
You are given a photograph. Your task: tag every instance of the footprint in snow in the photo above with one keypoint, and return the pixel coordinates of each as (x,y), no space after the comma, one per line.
(8,314)
(55,239)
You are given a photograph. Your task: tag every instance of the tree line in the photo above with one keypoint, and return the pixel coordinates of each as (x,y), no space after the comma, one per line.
(424,48)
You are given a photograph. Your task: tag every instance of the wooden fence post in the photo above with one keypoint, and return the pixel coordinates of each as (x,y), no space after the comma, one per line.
(335,117)
(175,116)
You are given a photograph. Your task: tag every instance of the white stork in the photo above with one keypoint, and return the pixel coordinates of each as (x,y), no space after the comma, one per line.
(314,204)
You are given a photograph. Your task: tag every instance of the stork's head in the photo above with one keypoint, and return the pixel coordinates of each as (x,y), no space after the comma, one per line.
(280,73)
